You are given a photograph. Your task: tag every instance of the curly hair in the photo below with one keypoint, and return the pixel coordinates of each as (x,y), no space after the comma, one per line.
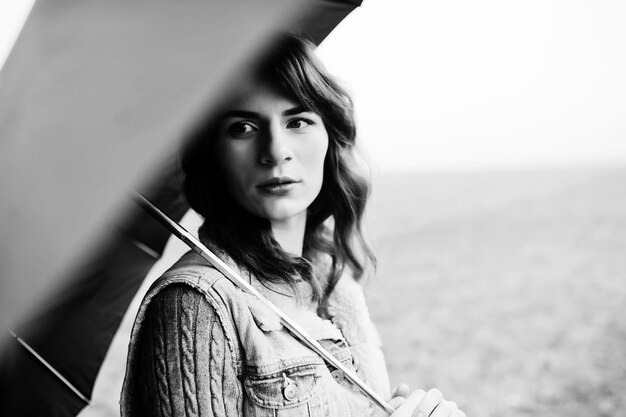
(333,226)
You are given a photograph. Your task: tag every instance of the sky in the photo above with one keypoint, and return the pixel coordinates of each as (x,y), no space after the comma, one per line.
(486,84)
(13,14)
(455,85)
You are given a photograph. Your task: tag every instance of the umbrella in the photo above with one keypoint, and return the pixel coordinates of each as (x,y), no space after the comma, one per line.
(94,96)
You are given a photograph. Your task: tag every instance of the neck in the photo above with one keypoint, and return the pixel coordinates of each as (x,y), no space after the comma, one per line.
(289,233)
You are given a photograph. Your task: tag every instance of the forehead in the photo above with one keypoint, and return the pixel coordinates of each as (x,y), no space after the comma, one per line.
(260,97)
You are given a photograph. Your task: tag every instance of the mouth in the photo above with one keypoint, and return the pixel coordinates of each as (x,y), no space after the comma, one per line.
(278,185)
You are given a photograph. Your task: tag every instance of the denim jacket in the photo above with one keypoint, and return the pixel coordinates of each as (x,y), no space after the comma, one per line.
(202,347)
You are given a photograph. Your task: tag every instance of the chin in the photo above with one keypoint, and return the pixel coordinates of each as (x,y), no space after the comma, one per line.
(282,212)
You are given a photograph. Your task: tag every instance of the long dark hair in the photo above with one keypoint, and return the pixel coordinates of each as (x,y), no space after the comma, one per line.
(333,228)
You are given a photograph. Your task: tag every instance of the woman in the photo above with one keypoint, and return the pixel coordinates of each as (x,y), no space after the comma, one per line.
(274,178)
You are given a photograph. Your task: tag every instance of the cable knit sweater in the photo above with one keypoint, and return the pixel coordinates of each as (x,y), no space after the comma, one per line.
(202,347)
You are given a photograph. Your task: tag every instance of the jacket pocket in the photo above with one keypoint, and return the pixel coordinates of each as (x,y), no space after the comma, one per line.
(294,391)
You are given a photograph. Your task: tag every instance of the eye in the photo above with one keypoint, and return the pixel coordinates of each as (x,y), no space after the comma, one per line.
(241,129)
(299,123)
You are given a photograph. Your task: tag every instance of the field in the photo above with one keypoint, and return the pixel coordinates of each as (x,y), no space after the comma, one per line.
(506,290)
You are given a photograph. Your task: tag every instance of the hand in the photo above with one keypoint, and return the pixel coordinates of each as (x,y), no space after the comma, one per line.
(402,390)
(423,404)
(398,396)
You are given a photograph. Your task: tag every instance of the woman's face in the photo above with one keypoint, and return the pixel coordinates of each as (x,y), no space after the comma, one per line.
(271,153)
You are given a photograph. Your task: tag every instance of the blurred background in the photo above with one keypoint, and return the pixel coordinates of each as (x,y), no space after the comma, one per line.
(497,139)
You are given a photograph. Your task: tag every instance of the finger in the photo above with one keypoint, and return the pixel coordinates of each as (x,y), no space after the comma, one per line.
(402,390)
(395,403)
(431,400)
(409,404)
(457,413)
(414,399)
(444,409)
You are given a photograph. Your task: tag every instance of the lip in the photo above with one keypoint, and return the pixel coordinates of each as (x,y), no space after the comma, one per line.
(278,185)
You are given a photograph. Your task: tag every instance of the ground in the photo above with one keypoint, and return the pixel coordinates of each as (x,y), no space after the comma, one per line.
(505,290)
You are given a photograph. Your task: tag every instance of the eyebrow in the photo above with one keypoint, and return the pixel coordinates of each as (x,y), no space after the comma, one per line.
(294,110)
(244,114)
(241,113)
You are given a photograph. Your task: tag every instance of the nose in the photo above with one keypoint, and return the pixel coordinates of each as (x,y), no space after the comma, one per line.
(275,147)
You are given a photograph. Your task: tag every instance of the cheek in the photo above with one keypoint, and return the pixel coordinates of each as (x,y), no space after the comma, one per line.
(230,159)
(317,160)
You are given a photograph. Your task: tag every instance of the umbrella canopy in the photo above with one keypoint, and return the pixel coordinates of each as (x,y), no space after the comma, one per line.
(94,97)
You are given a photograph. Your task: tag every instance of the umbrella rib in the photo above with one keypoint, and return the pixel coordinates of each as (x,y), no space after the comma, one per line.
(145,248)
(50,367)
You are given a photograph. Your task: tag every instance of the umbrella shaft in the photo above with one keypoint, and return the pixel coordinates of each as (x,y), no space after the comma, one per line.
(299,333)
(50,367)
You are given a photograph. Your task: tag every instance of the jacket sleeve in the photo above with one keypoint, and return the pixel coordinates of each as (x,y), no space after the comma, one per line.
(186,365)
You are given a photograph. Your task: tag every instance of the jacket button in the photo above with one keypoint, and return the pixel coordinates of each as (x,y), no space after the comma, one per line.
(290,392)
(337,375)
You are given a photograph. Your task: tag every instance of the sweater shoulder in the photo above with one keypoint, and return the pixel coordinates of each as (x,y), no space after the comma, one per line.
(195,277)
